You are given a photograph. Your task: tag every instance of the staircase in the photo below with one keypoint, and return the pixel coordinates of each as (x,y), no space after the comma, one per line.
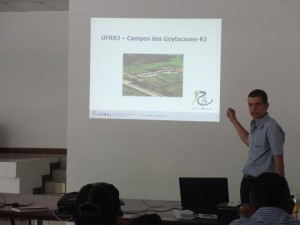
(21,173)
(33,174)
(55,182)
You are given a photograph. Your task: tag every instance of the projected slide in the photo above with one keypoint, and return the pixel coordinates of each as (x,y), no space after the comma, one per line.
(155,69)
(152,75)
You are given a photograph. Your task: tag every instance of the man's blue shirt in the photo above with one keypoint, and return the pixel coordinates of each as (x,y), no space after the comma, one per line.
(267,215)
(266,139)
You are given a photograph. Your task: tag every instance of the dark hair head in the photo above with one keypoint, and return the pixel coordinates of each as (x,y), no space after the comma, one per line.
(147,219)
(259,93)
(270,190)
(97,203)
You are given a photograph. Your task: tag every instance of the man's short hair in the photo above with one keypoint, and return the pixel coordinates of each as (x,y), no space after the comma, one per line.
(259,93)
(270,190)
(97,203)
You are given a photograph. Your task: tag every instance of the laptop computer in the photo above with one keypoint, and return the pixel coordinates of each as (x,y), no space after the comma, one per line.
(202,195)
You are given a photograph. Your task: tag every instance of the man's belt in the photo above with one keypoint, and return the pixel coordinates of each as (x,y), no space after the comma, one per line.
(249,177)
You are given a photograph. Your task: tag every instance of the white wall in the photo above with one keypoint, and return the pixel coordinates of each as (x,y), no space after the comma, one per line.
(33,79)
(260,49)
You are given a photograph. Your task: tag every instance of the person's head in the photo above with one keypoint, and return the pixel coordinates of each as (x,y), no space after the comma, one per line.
(270,190)
(258,103)
(147,219)
(97,204)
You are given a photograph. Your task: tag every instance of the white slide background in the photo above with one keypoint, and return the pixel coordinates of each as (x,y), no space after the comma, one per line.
(200,45)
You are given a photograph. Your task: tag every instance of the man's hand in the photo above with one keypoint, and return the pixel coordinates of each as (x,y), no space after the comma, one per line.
(231,114)
(243,134)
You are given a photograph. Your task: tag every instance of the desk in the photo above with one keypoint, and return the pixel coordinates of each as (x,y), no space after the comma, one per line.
(164,209)
(45,200)
(131,209)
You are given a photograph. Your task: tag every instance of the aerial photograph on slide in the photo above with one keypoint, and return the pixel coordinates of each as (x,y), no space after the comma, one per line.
(158,75)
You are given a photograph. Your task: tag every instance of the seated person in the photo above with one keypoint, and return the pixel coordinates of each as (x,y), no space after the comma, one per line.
(98,204)
(147,219)
(270,200)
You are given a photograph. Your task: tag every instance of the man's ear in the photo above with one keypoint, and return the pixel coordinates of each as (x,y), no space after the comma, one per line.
(291,206)
(252,208)
(267,105)
(246,210)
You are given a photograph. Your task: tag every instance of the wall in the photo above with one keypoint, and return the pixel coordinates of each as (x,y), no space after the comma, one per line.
(33,81)
(260,49)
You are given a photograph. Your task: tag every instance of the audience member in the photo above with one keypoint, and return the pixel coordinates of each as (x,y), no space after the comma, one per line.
(98,204)
(270,201)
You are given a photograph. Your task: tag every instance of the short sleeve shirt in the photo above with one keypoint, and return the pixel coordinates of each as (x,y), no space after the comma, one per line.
(267,216)
(266,139)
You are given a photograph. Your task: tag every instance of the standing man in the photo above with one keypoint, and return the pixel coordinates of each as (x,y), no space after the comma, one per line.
(265,141)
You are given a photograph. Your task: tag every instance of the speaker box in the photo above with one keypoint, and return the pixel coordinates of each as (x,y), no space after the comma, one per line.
(228,212)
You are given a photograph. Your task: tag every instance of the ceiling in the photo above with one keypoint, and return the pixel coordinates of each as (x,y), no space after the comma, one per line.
(33,5)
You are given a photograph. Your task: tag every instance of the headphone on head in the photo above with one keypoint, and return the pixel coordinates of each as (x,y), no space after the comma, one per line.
(88,208)
(106,204)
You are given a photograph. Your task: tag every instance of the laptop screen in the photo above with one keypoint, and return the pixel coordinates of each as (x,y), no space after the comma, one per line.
(202,195)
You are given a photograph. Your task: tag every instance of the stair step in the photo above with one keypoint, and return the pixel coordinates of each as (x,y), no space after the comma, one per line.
(63,162)
(10,185)
(56,187)
(21,175)
(59,175)
(8,169)
(54,183)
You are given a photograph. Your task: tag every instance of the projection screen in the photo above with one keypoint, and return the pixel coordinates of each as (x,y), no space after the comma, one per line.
(155,69)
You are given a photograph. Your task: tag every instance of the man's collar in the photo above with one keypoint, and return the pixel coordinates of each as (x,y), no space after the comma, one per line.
(261,121)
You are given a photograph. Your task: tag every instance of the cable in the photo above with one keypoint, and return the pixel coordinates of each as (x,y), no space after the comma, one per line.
(150,210)
(53,212)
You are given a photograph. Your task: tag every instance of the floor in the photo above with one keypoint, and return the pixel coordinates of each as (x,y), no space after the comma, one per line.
(17,222)
(4,222)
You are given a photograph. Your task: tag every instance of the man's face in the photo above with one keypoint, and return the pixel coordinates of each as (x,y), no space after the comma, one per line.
(257,108)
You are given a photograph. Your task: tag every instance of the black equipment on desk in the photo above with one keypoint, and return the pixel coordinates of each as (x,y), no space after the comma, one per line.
(66,204)
(203,194)
(228,211)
